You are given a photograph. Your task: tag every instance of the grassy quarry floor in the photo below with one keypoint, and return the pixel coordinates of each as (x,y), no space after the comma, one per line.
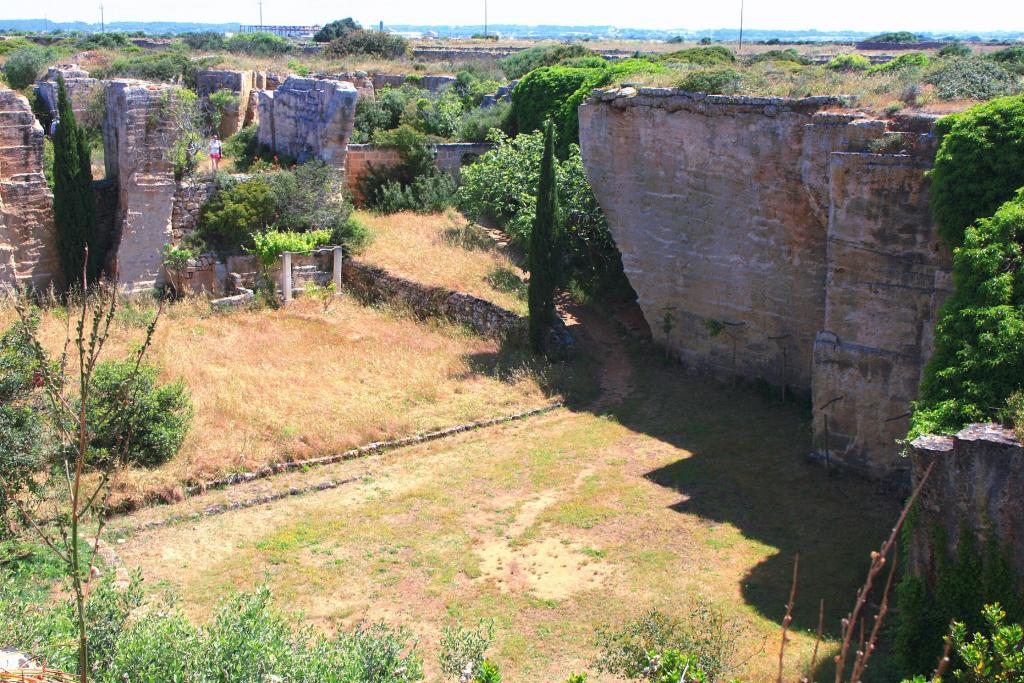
(276,385)
(664,490)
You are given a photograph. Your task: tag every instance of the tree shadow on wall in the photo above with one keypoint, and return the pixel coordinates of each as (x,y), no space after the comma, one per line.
(747,468)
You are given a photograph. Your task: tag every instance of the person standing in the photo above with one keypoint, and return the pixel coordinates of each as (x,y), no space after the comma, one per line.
(55,121)
(215,153)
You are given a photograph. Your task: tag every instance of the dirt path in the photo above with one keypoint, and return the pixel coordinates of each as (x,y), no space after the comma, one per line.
(599,336)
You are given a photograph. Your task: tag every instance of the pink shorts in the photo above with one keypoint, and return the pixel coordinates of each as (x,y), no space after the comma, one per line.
(215,156)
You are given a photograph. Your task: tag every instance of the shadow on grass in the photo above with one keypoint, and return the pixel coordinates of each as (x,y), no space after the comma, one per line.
(747,468)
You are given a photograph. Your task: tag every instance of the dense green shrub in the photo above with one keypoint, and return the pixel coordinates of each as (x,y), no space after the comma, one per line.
(167,65)
(477,124)
(22,445)
(718,81)
(708,638)
(973,78)
(112,40)
(518,65)
(472,87)
(369,43)
(895,37)
(439,115)
(131,414)
(979,164)
(336,29)
(904,61)
(978,361)
(268,246)
(1010,58)
(556,92)
(415,184)
(385,111)
(788,55)
(307,198)
(259,43)
(702,56)
(463,648)
(964,582)
(204,40)
(849,63)
(502,186)
(246,641)
(11,44)
(25,65)
(954,49)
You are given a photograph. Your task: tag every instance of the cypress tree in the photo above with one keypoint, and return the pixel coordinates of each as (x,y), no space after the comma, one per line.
(545,252)
(74,204)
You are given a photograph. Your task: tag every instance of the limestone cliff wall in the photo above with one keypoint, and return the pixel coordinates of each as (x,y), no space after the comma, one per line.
(308,118)
(449,158)
(79,85)
(782,240)
(137,134)
(28,252)
(244,85)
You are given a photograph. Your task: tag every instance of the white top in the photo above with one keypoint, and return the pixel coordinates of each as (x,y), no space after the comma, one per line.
(214,146)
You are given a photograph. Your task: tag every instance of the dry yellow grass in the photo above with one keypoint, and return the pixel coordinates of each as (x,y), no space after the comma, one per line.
(426,248)
(301,382)
(552,527)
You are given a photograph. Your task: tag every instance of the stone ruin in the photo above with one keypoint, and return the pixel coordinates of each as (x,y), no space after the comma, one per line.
(79,85)
(28,250)
(306,118)
(243,85)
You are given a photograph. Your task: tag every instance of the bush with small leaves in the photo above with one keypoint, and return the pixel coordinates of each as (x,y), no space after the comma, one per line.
(972,78)
(711,81)
(463,649)
(849,63)
(134,416)
(368,43)
(24,65)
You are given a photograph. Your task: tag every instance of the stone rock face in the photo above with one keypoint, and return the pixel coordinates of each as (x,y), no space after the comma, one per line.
(79,85)
(775,246)
(975,486)
(28,250)
(244,86)
(307,118)
(362,83)
(189,199)
(137,134)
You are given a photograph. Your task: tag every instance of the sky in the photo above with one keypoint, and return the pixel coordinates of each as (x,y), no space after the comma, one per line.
(863,15)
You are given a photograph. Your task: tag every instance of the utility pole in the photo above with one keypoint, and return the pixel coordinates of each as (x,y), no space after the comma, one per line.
(260,3)
(103,25)
(485,18)
(740,51)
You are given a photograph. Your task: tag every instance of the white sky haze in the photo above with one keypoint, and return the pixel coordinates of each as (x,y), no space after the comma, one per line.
(863,15)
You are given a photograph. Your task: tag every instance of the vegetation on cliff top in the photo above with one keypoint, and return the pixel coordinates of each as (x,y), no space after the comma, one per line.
(978,202)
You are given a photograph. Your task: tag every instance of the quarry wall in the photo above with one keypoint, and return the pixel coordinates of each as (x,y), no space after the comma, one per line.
(974,489)
(308,118)
(449,158)
(28,250)
(779,240)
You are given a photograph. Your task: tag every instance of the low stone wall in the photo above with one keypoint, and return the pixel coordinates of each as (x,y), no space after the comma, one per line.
(449,158)
(483,317)
(189,199)
(434,84)
(975,488)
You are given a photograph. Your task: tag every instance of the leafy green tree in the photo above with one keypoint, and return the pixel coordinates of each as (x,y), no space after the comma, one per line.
(545,247)
(336,29)
(74,204)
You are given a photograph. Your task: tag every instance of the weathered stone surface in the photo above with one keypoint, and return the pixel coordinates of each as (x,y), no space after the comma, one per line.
(137,133)
(434,84)
(243,85)
(307,118)
(888,272)
(776,247)
(28,250)
(975,486)
(359,80)
(79,85)
(189,199)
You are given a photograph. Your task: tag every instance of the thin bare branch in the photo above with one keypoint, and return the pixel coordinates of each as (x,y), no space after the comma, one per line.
(787,620)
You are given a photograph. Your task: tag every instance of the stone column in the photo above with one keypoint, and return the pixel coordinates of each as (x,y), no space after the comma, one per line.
(286,276)
(336,272)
